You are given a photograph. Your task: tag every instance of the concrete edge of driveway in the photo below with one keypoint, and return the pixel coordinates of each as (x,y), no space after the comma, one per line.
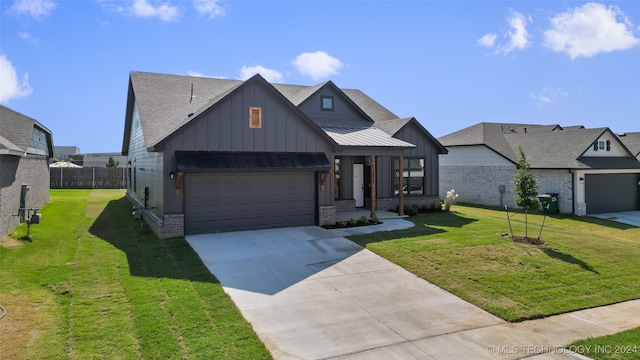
(309,293)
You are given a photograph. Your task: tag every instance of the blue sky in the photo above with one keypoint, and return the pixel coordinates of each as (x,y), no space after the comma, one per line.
(450,64)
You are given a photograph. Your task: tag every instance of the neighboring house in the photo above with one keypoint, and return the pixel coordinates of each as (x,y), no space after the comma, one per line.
(63,153)
(99,160)
(632,141)
(591,170)
(25,149)
(209,155)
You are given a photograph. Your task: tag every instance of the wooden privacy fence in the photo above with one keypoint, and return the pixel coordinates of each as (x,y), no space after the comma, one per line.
(88,178)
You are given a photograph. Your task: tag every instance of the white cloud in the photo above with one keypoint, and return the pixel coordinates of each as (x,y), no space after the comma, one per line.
(547,95)
(317,65)
(208,8)
(164,11)
(35,8)
(487,41)
(517,35)
(589,30)
(28,38)
(270,75)
(10,86)
(199,74)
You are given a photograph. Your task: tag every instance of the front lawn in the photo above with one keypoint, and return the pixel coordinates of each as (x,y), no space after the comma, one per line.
(95,284)
(584,263)
(623,345)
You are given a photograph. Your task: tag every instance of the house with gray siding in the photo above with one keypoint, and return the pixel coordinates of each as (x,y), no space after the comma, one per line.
(211,155)
(26,146)
(591,170)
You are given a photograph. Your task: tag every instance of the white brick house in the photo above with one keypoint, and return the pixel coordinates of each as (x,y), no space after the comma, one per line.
(591,170)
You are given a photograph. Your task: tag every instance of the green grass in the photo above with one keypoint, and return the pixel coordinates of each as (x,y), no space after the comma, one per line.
(584,263)
(93,284)
(624,345)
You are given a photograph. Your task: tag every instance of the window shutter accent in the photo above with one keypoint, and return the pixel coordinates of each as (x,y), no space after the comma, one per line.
(608,145)
(255,117)
(595,146)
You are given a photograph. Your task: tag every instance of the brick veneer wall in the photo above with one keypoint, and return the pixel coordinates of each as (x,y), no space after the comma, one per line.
(481,184)
(327,215)
(15,171)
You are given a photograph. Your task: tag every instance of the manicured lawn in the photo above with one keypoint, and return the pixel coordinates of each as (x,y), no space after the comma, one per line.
(93,284)
(624,345)
(584,263)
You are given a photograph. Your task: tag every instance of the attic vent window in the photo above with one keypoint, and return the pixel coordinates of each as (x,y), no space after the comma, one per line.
(255,117)
(326,103)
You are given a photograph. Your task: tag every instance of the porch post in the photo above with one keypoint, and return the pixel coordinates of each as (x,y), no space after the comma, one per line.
(332,174)
(400,186)
(373,186)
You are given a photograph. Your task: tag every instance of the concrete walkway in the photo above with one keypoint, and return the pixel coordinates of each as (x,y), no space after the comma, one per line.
(312,294)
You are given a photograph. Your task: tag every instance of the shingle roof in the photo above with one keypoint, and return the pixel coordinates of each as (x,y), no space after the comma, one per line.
(167,102)
(545,146)
(17,130)
(632,141)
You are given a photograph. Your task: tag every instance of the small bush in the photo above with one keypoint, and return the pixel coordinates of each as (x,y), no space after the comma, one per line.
(353,221)
(411,210)
(364,219)
(450,199)
(374,219)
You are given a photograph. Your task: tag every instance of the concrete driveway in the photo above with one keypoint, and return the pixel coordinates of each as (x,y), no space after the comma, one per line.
(310,294)
(625,217)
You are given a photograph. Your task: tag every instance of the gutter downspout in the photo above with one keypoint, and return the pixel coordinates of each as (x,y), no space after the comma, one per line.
(573,192)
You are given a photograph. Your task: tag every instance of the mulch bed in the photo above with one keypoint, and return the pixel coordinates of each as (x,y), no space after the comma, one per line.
(346,224)
(528,240)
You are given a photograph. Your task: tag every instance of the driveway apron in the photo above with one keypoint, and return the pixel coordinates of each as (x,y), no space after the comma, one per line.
(310,294)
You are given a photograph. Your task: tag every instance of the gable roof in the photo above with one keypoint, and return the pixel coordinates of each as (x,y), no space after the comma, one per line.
(546,146)
(166,103)
(632,141)
(17,131)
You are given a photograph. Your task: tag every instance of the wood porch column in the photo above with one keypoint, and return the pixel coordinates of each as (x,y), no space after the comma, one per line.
(400,186)
(373,186)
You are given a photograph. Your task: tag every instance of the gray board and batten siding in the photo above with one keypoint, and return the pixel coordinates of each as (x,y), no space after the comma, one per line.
(224,127)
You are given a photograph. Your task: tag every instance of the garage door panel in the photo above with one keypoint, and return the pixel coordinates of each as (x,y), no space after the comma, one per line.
(244,201)
(611,192)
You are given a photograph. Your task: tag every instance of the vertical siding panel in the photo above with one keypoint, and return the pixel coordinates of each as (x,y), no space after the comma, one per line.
(202,143)
(213,129)
(225,126)
(271,128)
(189,137)
(292,132)
(248,98)
(239,117)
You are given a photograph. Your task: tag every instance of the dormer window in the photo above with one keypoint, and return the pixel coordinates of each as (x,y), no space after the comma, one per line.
(326,103)
(602,145)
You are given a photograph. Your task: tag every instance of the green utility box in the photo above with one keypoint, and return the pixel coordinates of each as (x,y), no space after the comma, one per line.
(549,203)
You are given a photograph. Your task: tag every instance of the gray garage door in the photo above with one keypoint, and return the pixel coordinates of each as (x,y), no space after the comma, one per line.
(611,192)
(248,201)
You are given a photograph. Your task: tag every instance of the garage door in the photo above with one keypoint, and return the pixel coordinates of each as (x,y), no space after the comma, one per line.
(611,192)
(248,201)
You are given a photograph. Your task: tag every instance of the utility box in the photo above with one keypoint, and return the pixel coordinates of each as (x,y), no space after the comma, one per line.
(549,203)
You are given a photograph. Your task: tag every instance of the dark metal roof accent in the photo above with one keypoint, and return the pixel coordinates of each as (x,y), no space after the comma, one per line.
(206,161)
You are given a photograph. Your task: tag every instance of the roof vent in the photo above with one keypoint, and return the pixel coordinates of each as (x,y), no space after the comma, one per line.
(189,114)
(622,134)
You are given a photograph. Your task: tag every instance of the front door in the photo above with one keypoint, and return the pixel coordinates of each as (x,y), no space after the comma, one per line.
(358,184)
